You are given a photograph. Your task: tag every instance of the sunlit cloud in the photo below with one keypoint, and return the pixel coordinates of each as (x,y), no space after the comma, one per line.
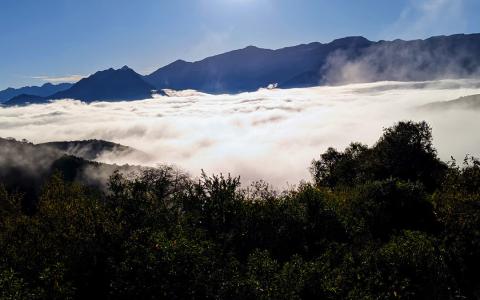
(268,134)
(68,78)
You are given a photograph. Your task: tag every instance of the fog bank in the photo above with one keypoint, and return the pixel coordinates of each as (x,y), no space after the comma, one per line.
(268,134)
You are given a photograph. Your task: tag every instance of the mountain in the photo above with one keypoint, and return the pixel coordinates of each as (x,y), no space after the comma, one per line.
(92,149)
(346,60)
(42,91)
(471,102)
(25,166)
(108,85)
(25,99)
(248,69)
(439,57)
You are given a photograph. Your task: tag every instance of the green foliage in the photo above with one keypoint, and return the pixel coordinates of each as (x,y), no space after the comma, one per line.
(153,265)
(12,287)
(382,208)
(410,266)
(404,152)
(337,169)
(387,222)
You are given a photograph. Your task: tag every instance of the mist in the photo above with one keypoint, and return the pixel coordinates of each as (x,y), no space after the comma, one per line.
(268,134)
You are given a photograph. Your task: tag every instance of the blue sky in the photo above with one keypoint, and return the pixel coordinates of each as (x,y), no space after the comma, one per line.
(57,40)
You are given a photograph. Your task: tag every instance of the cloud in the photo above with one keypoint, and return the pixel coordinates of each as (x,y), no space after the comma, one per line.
(268,134)
(60,79)
(422,18)
(401,61)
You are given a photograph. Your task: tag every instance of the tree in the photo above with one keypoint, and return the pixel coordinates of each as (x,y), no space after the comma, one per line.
(404,151)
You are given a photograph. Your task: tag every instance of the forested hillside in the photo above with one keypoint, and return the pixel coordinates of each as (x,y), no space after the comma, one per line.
(390,221)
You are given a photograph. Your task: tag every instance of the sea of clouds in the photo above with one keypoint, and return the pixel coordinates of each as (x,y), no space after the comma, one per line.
(268,134)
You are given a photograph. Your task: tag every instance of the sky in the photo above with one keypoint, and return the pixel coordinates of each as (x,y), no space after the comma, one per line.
(62,40)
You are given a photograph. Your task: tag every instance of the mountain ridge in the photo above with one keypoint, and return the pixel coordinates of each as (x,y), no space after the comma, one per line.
(122,84)
(317,63)
(108,85)
(344,60)
(42,91)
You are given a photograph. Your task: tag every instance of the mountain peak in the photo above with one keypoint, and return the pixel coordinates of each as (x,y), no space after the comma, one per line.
(250,68)
(179,61)
(109,85)
(350,40)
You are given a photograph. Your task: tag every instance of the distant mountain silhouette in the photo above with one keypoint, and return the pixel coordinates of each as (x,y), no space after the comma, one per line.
(345,60)
(108,85)
(247,69)
(350,59)
(45,90)
(92,149)
(25,99)
(439,57)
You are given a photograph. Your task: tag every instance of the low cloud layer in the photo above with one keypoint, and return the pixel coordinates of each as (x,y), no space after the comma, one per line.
(269,134)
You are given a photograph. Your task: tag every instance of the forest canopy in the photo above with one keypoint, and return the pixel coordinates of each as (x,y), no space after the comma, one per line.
(390,221)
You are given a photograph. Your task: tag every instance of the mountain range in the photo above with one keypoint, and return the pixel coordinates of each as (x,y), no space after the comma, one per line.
(345,60)
(107,85)
(42,91)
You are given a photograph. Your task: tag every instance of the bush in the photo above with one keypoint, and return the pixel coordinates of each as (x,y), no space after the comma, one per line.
(387,222)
